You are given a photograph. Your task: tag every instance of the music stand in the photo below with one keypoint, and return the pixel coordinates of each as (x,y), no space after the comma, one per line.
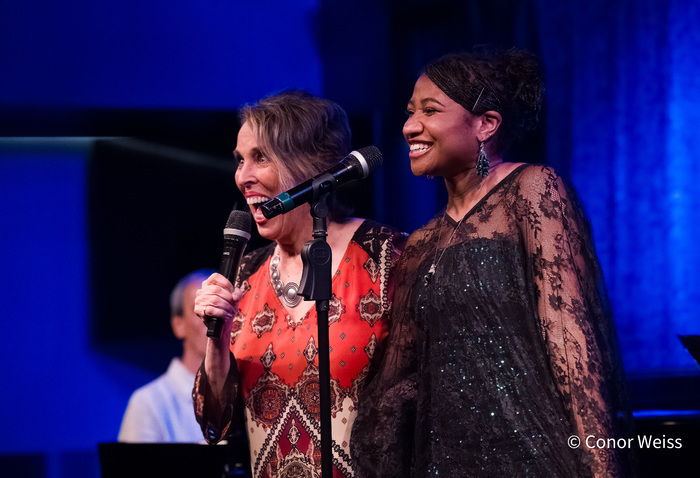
(174,460)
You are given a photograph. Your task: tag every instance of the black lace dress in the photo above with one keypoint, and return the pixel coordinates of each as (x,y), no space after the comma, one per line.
(508,351)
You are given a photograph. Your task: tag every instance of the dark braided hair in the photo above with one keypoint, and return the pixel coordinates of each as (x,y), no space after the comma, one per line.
(508,81)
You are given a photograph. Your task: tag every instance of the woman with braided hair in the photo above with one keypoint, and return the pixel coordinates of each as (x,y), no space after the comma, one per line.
(502,357)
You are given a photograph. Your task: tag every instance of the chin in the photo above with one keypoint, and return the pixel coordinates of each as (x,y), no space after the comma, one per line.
(420,168)
(266,232)
(420,172)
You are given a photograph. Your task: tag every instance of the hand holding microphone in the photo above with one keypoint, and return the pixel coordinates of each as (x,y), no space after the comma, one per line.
(236,236)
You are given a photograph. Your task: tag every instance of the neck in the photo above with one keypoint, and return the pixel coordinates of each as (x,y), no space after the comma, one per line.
(464,190)
(291,244)
(339,234)
(291,248)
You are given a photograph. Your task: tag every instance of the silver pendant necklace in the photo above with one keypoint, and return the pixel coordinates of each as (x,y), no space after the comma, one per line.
(431,272)
(288,293)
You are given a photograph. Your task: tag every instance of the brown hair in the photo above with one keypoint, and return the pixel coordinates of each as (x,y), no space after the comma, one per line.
(303,135)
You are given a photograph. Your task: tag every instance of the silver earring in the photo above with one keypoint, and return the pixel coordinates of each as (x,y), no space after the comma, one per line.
(482,162)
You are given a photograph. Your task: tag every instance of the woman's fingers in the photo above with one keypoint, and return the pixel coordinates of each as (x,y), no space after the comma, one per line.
(216,298)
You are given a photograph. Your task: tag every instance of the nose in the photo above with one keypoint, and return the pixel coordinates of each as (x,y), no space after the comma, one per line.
(245,175)
(412,127)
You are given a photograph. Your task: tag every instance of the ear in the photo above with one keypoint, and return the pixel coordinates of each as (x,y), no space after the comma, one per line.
(177,322)
(490,122)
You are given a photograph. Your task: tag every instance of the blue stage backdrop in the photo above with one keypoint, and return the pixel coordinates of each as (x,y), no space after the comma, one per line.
(623,94)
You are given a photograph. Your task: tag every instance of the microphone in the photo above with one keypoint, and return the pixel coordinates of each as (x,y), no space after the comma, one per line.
(356,165)
(236,236)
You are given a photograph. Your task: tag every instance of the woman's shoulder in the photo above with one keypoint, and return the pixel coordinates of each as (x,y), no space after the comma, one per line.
(542,187)
(539,179)
(420,234)
(253,260)
(535,171)
(369,228)
(260,253)
(373,236)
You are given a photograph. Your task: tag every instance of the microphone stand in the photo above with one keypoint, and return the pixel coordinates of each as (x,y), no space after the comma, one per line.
(315,284)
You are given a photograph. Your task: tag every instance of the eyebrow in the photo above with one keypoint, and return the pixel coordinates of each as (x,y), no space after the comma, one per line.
(427,100)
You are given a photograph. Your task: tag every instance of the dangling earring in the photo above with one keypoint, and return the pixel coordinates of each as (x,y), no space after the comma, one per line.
(482,162)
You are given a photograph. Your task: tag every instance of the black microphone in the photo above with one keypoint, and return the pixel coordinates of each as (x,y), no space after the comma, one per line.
(236,236)
(356,165)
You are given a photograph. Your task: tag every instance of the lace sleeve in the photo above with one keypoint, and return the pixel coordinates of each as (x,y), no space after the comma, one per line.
(574,317)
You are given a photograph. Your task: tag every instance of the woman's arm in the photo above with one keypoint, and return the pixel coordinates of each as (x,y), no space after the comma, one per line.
(216,382)
(574,316)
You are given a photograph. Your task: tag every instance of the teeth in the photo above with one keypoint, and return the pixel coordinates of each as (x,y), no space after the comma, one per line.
(419,147)
(257,199)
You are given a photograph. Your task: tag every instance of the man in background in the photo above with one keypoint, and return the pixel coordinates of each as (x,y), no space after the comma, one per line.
(161,411)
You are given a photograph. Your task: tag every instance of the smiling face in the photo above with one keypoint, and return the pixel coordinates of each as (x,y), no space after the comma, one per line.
(259,179)
(441,134)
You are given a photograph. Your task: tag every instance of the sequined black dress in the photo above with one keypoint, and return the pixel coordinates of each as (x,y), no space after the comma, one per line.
(505,354)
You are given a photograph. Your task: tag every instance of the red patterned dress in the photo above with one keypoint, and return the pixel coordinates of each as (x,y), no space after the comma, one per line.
(277,359)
